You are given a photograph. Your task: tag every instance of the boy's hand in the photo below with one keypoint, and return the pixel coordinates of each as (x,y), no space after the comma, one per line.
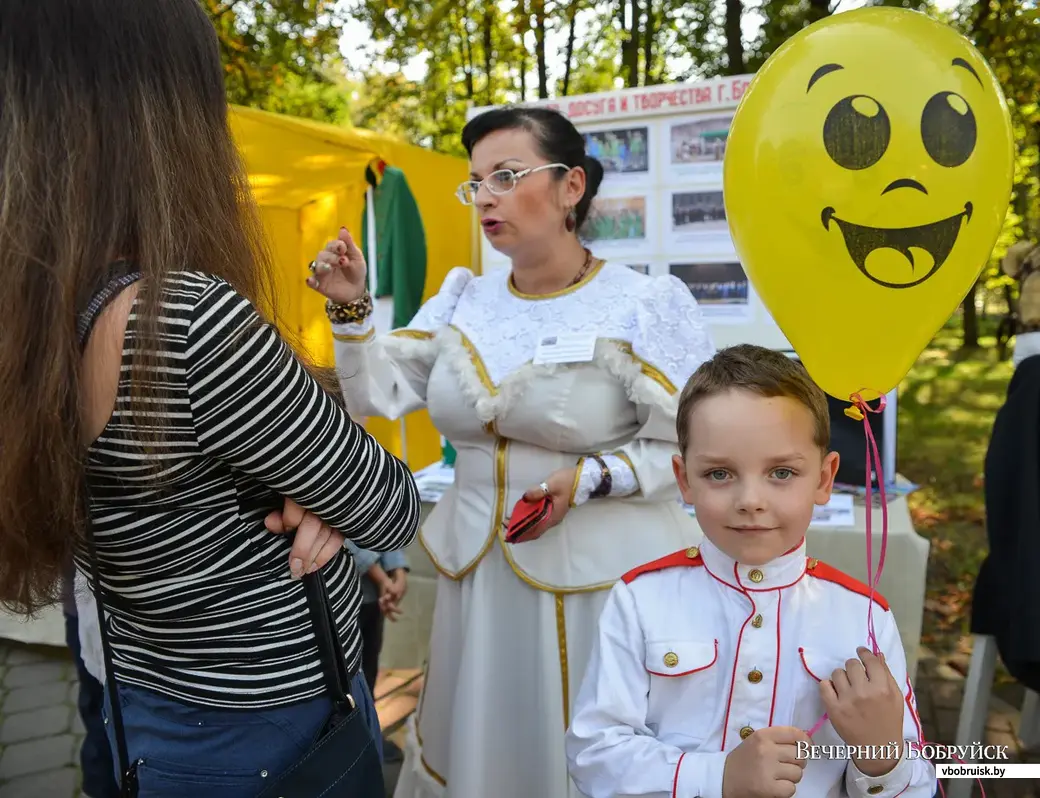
(765,765)
(379,578)
(391,609)
(865,706)
(390,594)
(398,584)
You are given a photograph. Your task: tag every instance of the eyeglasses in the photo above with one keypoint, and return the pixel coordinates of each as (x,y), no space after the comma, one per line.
(501,182)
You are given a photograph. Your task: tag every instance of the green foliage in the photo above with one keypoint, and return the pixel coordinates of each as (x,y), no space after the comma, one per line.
(282,55)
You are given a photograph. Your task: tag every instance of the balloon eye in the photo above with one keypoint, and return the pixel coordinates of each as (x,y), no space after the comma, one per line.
(856,132)
(948,129)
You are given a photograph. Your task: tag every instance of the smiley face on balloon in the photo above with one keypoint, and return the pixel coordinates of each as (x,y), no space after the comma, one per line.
(867,176)
(857,133)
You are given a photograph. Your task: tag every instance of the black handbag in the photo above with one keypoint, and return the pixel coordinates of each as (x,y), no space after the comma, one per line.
(342,762)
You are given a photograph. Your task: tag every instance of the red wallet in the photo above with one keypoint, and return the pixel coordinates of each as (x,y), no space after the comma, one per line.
(526,517)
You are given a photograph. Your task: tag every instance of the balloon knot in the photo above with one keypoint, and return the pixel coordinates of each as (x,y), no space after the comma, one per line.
(860,407)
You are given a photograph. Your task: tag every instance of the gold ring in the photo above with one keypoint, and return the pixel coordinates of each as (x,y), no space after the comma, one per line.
(313,266)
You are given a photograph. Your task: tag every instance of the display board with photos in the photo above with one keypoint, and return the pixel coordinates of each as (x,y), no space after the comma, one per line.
(660,208)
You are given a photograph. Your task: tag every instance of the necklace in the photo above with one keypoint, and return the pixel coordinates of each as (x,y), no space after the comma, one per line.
(577,278)
(584,268)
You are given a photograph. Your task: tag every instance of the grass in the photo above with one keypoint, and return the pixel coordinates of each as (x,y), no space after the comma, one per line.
(947,404)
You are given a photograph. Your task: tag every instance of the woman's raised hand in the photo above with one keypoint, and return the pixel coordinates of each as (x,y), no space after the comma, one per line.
(339,270)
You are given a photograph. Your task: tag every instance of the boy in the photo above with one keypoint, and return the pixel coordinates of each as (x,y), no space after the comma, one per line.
(711,664)
(384,581)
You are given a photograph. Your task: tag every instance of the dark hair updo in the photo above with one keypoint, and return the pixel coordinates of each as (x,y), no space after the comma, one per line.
(557,139)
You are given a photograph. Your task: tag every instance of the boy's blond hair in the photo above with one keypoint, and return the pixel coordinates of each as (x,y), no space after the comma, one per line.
(761,371)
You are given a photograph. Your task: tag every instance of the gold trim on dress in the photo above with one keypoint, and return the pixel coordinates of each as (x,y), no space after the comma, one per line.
(477,361)
(561,640)
(484,376)
(577,479)
(437,777)
(419,335)
(529,581)
(597,264)
(546,588)
(501,446)
(418,734)
(649,370)
(354,339)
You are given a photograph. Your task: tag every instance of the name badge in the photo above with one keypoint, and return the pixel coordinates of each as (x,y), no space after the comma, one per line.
(565,348)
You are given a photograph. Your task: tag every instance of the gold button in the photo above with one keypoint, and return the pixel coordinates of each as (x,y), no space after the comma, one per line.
(671,659)
(693,552)
(756,575)
(813,562)
(874,789)
(757,621)
(754,676)
(746,732)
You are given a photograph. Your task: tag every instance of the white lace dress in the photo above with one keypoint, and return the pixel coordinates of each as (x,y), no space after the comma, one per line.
(513,625)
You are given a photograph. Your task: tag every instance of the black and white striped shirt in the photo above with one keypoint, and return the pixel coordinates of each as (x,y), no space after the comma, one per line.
(202,605)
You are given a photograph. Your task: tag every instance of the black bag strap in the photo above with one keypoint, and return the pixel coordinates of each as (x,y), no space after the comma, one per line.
(119,279)
(330,647)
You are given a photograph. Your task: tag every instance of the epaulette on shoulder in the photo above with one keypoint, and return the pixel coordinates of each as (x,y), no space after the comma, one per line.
(680,559)
(829,573)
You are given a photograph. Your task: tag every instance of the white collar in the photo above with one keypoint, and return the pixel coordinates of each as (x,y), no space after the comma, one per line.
(1026,345)
(780,572)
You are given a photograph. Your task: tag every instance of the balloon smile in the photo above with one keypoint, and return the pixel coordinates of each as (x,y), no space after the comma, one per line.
(937,239)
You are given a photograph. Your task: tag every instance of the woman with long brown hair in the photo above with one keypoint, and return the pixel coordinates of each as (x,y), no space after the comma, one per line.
(123,205)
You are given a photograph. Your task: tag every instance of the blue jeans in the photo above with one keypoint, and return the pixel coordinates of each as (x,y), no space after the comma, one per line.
(95,757)
(188,751)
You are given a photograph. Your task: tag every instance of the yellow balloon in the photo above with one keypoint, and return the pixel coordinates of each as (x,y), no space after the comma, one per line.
(867,176)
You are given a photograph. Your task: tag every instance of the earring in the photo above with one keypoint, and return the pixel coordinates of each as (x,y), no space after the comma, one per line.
(571,221)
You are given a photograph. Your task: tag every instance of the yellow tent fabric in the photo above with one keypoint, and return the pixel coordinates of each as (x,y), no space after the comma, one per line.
(309,179)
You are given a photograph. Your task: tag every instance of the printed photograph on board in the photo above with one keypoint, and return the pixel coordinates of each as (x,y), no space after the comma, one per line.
(699,144)
(624,151)
(616,220)
(698,212)
(721,289)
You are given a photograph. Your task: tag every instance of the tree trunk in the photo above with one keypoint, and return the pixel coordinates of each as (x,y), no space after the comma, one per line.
(818,9)
(539,48)
(734,40)
(572,12)
(971,320)
(635,25)
(524,25)
(980,36)
(489,26)
(467,54)
(649,35)
(982,12)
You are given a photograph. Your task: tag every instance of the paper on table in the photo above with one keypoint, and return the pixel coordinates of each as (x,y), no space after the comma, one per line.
(433,481)
(838,512)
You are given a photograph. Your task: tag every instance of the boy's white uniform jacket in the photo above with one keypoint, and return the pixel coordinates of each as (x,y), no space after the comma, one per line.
(696,651)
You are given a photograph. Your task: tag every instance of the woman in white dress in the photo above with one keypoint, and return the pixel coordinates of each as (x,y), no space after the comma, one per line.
(559,375)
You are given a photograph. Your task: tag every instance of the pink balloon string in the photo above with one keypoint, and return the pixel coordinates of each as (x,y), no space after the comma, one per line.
(874,577)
